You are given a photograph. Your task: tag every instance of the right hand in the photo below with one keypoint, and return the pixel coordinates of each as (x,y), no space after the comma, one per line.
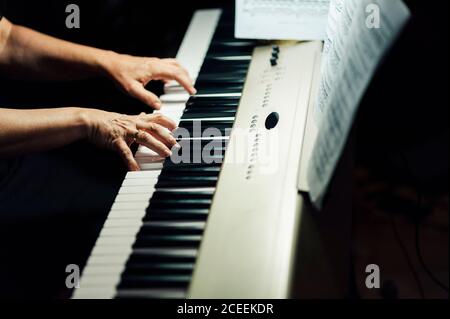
(117,132)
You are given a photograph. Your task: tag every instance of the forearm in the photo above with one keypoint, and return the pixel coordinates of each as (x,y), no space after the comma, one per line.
(23,131)
(30,54)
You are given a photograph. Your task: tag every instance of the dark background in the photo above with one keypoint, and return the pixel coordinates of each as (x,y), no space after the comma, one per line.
(402,127)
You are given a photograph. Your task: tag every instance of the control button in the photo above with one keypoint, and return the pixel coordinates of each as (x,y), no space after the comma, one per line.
(276,49)
(272,120)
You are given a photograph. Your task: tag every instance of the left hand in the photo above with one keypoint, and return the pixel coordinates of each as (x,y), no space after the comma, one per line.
(132,74)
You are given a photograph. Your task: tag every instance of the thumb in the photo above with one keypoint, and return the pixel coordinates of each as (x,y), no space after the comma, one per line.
(127,156)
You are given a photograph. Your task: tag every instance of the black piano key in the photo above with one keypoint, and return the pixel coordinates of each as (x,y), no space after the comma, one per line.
(204,115)
(159,268)
(212,99)
(207,194)
(218,130)
(186,181)
(190,162)
(215,64)
(224,110)
(205,124)
(194,150)
(215,79)
(171,227)
(232,46)
(219,90)
(194,170)
(212,104)
(166,255)
(224,73)
(179,203)
(167,240)
(195,157)
(137,281)
(180,214)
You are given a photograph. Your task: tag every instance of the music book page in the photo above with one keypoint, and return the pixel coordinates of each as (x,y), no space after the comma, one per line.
(281,19)
(359,33)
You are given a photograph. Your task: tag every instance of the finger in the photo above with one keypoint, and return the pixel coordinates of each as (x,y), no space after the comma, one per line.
(175,63)
(177,74)
(127,156)
(139,92)
(161,120)
(160,133)
(152,143)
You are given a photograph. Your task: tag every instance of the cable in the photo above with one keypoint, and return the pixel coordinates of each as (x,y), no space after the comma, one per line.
(419,252)
(408,259)
(417,227)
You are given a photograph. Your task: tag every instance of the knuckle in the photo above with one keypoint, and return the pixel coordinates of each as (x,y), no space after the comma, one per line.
(151,127)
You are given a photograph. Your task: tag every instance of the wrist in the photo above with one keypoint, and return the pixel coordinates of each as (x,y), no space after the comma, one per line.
(83,121)
(105,63)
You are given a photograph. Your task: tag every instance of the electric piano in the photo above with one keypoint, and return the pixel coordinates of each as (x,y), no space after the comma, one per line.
(215,229)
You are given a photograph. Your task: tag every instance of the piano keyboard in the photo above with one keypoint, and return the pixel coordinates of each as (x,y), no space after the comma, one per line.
(149,250)
(153,244)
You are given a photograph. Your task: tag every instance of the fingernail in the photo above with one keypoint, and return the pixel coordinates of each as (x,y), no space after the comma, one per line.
(168,153)
(177,146)
(194,91)
(157,105)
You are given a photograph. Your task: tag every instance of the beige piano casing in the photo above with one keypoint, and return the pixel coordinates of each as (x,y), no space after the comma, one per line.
(251,235)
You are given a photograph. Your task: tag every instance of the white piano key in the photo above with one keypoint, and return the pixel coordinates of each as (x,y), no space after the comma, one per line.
(149,159)
(124,219)
(142,174)
(127,214)
(118,259)
(172,109)
(196,42)
(102,251)
(174,98)
(136,190)
(139,182)
(109,231)
(174,89)
(95,280)
(128,206)
(132,197)
(95,293)
(148,153)
(102,270)
(118,241)
(151,166)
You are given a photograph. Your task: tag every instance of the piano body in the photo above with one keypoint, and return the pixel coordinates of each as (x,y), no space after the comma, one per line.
(237,229)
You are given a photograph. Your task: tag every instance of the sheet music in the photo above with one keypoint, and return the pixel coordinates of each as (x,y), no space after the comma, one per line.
(353,50)
(281,19)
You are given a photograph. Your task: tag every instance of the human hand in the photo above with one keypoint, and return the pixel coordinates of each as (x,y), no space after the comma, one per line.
(117,132)
(132,74)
